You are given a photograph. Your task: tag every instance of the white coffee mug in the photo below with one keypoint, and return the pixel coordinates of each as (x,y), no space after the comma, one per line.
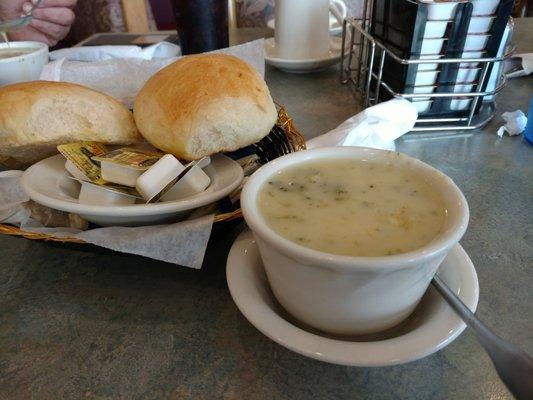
(338,11)
(302,27)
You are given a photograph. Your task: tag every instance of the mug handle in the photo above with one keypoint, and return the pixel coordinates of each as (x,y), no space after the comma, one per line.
(338,9)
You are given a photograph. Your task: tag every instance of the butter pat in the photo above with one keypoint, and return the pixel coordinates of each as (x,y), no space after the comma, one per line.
(102,196)
(193,182)
(159,177)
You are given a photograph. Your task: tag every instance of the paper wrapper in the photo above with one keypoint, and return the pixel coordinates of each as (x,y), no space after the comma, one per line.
(182,243)
(377,127)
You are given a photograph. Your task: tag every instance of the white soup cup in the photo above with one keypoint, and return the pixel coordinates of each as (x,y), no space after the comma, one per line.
(23,68)
(347,295)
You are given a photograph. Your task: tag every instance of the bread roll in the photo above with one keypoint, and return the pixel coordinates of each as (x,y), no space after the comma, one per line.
(37,116)
(204,104)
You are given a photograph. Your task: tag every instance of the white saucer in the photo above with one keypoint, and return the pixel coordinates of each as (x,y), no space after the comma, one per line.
(48,183)
(432,326)
(302,66)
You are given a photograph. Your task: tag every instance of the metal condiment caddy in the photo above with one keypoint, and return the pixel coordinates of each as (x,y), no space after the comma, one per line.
(391,52)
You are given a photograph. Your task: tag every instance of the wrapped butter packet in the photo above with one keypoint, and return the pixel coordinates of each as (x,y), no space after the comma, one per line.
(105,194)
(79,155)
(125,165)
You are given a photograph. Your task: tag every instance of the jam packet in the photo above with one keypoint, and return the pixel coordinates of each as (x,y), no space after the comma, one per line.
(79,160)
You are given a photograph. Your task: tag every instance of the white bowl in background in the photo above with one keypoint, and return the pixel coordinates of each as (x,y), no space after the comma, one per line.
(347,295)
(476,41)
(432,45)
(426,78)
(480,24)
(435,29)
(484,7)
(467,75)
(23,68)
(471,54)
(460,103)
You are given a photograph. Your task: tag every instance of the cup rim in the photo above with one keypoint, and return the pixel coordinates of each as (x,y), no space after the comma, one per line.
(39,48)
(455,227)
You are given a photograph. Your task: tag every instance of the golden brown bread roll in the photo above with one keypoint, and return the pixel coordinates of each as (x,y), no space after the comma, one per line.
(204,104)
(37,116)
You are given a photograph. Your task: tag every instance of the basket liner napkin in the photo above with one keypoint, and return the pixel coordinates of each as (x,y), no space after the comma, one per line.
(123,78)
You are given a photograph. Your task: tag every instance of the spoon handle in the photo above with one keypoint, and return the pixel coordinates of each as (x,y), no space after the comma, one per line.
(514,366)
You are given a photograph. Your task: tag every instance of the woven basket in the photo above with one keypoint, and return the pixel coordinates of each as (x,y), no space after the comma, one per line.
(283,139)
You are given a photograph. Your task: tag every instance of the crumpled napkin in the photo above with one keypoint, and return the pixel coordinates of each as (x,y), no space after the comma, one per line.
(521,65)
(377,126)
(515,123)
(99,53)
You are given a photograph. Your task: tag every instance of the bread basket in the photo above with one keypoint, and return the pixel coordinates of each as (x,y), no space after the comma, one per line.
(283,139)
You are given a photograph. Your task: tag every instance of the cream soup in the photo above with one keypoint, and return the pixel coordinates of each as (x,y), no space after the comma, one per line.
(15,52)
(353,208)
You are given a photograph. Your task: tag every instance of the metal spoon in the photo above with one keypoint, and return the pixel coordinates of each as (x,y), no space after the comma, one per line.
(514,366)
(6,26)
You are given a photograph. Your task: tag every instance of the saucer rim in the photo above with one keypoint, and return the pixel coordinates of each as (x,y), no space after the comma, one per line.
(333,54)
(350,357)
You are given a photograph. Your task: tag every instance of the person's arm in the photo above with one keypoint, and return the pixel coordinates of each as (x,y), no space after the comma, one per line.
(51,20)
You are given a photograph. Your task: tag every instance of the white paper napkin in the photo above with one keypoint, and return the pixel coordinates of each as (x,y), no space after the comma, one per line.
(11,194)
(100,53)
(515,123)
(377,126)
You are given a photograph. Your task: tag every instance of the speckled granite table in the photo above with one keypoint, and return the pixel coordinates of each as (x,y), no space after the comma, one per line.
(82,324)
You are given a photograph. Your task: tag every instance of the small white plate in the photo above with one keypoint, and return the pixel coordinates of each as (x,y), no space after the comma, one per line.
(302,66)
(432,326)
(49,184)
